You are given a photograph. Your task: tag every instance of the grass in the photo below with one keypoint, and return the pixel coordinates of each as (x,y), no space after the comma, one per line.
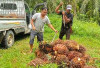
(85,33)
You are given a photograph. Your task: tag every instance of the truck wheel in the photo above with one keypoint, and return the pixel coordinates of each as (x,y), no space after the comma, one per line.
(8,40)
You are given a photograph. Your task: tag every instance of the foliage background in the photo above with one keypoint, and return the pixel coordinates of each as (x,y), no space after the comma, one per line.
(82,9)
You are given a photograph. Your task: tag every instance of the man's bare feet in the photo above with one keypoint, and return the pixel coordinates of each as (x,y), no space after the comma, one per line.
(31,51)
(31,48)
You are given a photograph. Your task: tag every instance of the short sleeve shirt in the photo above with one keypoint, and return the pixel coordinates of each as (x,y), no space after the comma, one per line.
(39,22)
(70,16)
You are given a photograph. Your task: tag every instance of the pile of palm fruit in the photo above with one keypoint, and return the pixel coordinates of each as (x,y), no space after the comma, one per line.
(66,54)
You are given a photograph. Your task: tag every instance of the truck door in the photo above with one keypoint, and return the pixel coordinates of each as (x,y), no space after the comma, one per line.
(27,10)
(37,6)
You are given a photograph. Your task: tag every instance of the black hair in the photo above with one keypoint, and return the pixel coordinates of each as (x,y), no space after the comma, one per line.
(43,8)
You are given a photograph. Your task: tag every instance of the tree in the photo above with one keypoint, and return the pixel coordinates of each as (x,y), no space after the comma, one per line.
(90,8)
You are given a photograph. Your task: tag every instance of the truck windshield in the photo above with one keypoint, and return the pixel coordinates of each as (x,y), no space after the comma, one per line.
(11,10)
(8,6)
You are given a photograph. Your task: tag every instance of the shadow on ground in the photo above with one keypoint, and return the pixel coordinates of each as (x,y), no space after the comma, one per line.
(17,38)
(21,37)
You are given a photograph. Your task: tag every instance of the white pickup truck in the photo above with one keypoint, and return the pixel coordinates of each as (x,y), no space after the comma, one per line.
(14,19)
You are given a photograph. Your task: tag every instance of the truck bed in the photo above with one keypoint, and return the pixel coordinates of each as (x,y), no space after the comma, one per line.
(6,24)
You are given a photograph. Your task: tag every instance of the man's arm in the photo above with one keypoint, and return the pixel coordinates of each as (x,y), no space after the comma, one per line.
(32,23)
(50,25)
(57,8)
(66,18)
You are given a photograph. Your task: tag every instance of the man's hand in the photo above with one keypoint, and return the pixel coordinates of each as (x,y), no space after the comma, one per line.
(65,18)
(52,28)
(34,28)
(63,12)
(61,3)
(57,8)
(56,31)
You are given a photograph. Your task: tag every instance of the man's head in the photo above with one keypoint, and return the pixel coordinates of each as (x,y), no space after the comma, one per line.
(68,8)
(44,11)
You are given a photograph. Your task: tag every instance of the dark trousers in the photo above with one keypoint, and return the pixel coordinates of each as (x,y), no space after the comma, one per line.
(35,33)
(65,32)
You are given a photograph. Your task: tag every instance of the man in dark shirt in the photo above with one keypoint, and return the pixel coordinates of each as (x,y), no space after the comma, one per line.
(67,20)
